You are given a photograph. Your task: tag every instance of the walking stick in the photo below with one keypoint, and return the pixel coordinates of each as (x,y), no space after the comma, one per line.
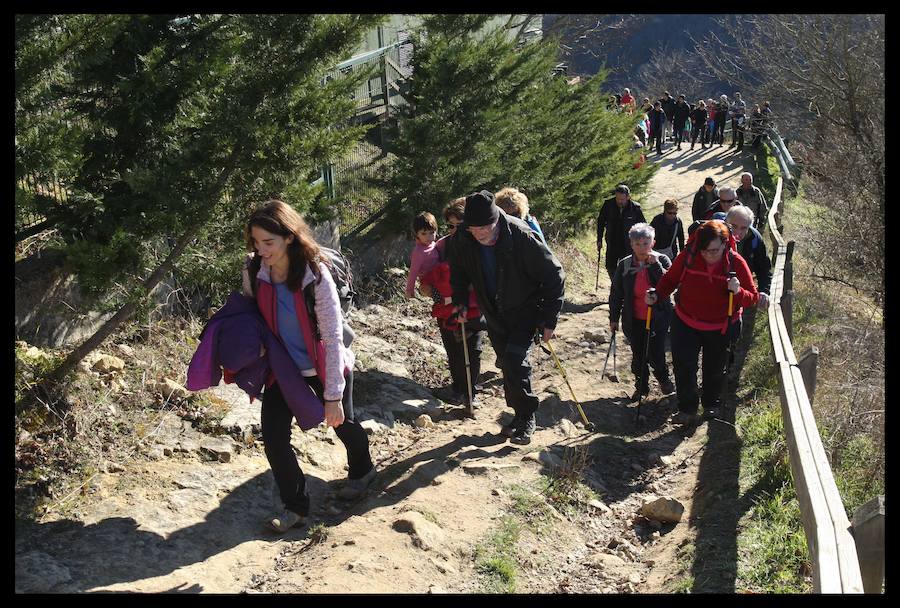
(728,337)
(645,367)
(470,408)
(587,423)
(597,282)
(611,351)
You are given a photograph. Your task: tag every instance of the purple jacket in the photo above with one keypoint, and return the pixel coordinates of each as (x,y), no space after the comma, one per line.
(232,340)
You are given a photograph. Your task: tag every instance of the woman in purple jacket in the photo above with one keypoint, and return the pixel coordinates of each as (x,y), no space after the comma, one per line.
(284,265)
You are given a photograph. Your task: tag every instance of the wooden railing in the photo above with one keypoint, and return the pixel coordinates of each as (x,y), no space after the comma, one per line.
(832,549)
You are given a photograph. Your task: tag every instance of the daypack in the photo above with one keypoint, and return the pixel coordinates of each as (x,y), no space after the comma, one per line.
(342,274)
(339,266)
(690,248)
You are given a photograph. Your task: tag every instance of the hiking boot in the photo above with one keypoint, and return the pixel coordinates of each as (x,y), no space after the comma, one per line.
(356,487)
(523,434)
(685,419)
(666,387)
(636,395)
(510,429)
(287,520)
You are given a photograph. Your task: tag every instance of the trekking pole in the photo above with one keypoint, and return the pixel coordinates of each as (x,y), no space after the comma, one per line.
(610,351)
(470,408)
(587,423)
(727,367)
(597,282)
(645,366)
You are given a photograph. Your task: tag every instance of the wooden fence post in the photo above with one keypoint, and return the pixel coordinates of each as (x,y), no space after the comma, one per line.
(807,364)
(868,532)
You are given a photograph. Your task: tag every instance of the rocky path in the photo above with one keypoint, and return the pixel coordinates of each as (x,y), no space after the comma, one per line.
(189,517)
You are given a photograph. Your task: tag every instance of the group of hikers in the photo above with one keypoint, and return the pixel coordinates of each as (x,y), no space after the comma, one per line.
(677,120)
(284,335)
(716,300)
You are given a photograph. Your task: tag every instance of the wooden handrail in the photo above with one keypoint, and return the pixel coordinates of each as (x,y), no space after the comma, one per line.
(831,546)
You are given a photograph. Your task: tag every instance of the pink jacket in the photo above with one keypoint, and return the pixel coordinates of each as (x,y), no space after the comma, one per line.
(422,260)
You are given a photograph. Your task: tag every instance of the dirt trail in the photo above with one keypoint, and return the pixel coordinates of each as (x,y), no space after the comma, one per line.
(184,524)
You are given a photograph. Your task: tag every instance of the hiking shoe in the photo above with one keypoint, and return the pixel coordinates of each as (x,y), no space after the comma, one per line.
(667,387)
(510,429)
(356,487)
(636,395)
(456,399)
(685,419)
(523,434)
(287,520)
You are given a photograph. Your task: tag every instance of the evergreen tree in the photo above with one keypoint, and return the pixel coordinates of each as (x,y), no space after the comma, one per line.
(485,111)
(185,119)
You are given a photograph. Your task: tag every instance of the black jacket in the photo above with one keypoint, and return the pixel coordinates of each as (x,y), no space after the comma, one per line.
(528,274)
(681,112)
(668,106)
(657,120)
(699,116)
(616,225)
(666,234)
(702,202)
(753,249)
(622,289)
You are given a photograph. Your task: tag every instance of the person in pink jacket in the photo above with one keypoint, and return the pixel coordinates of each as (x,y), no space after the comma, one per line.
(284,266)
(427,252)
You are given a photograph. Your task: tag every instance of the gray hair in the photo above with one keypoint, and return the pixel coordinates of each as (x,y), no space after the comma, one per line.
(748,174)
(741,210)
(642,230)
(727,191)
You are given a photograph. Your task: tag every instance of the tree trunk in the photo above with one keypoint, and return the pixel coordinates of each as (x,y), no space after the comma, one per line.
(124,313)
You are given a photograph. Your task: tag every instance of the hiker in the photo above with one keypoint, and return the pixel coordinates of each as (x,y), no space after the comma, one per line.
(709,132)
(680,115)
(701,321)
(727,198)
(736,112)
(286,267)
(617,216)
(669,230)
(721,115)
(668,106)
(427,251)
(755,124)
(634,275)
(519,284)
(752,197)
(657,125)
(436,285)
(627,101)
(705,196)
(752,248)
(698,118)
(515,203)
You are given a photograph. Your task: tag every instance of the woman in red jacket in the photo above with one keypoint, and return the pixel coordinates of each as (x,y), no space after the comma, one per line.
(701,320)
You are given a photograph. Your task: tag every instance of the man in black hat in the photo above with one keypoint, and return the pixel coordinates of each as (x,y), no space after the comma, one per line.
(616,218)
(519,284)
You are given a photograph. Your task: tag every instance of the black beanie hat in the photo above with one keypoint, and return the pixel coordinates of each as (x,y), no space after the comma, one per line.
(480,209)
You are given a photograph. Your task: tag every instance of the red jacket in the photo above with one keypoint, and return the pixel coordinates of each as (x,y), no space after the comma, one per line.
(439,280)
(702,292)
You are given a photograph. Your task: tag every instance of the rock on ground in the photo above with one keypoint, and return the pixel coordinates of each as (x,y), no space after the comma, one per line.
(663,509)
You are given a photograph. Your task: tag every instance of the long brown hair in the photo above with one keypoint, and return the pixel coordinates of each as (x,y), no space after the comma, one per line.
(279,218)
